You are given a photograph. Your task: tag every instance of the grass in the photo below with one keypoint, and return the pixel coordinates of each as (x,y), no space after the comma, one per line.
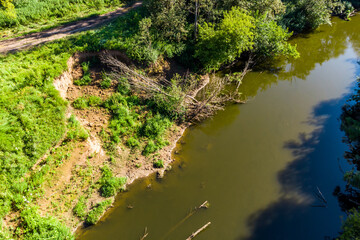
(75,131)
(34,15)
(87,101)
(86,78)
(32,113)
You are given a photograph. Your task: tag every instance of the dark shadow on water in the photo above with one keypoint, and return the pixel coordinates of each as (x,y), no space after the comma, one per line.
(301,212)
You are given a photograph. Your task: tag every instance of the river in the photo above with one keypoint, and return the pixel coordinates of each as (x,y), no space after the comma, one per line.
(259,164)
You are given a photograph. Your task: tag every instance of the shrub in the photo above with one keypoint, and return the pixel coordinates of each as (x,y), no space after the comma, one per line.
(37,227)
(95,214)
(132,142)
(158,163)
(351,227)
(75,130)
(86,79)
(94,101)
(80,208)
(88,101)
(110,185)
(123,86)
(106,82)
(85,66)
(155,126)
(80,103)
(172,104)
(150,148)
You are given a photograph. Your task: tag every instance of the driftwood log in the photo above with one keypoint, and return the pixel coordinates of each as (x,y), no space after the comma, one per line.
(198,231)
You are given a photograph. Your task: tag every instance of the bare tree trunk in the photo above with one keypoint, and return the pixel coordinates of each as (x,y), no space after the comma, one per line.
(246,69)
(196,17)
(198,231)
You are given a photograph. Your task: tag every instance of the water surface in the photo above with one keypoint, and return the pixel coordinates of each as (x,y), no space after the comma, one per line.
(258,164)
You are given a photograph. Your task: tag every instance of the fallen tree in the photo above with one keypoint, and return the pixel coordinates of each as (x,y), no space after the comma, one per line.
(180,92)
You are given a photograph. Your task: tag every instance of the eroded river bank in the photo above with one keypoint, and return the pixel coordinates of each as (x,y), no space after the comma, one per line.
(258,164)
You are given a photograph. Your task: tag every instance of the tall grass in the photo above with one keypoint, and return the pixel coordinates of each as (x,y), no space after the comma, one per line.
(32,11)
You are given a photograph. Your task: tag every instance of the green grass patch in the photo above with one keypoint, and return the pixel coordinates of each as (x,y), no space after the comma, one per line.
(87,101)
(34,14)
(86,78)
(75,131)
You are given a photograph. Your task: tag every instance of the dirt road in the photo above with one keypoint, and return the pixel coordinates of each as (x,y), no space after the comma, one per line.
(28,41)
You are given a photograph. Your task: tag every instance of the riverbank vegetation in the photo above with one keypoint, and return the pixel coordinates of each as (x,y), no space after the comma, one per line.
(144,96)
(349,198)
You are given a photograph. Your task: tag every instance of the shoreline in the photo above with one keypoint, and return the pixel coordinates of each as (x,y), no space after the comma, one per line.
(93,145)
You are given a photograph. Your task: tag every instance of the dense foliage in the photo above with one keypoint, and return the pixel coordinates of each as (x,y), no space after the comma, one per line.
(349,198)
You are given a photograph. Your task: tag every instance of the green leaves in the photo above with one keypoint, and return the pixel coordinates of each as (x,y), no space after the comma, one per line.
(239,32)
(110,185)
(271,39)
(306,15)
(223,43)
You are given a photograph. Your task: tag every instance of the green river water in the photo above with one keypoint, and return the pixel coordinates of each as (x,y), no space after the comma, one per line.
(258,164)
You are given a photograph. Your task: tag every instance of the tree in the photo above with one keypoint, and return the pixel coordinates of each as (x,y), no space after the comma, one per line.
(271,40)
(222,43)
(8,7)
(169,18)
(305,15)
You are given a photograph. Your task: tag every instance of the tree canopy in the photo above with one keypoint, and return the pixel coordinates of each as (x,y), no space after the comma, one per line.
(223,43)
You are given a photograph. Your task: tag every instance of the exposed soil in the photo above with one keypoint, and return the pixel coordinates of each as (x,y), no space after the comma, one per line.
(31,40)
(70,180)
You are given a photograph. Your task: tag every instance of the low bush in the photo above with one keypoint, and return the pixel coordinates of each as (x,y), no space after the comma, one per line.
(132,142)
(37,227)
(158,163)
(110,185)
(75,130)
(80,208)
(94,101)
(95,214)
(150,148)
(87,101)
(86,78)
(80,103)
(106,82)
(155,126)
(123,86)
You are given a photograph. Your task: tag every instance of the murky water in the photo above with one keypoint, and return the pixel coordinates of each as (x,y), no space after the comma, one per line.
(258,164)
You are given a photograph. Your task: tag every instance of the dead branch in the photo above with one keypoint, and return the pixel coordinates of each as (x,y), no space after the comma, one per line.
(145,234)
(204,205)
(198,231)
(246,70)
(136,80)
(192,212)
(321,196)
(195,110)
